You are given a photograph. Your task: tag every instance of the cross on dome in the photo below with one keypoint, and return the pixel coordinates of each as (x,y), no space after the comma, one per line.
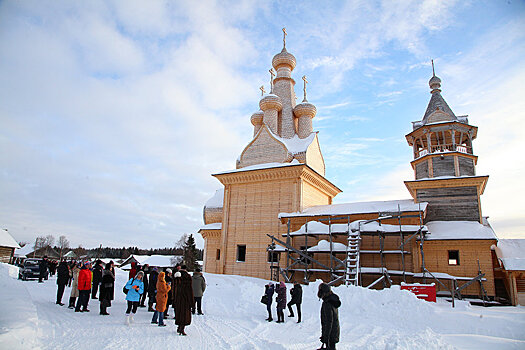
(262,90)
(284,38)
(272,74)
(304,88)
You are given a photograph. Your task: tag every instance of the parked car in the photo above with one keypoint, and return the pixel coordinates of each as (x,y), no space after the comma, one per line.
(31,269)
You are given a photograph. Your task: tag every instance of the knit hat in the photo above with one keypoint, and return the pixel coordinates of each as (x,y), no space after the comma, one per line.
(140,273)
(324,289)
(168,270)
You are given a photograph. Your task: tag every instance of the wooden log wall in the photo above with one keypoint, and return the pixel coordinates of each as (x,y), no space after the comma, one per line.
(451,203)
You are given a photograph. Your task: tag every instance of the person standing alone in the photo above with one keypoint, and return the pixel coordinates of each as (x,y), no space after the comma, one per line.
(329,316)
(199,286)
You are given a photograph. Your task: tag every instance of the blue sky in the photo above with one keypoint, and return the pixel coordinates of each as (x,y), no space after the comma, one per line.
(115,113)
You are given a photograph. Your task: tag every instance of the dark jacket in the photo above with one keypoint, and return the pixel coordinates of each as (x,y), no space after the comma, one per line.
(330,319)
(281,296)
(97,273)
(107,286)
(183,300)
(62,273)
(268,290)
(169,281)
(43,267)
(152,283)
(297,294)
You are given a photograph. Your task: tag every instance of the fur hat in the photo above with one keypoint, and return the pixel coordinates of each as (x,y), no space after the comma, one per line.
(168,270)
(177,274)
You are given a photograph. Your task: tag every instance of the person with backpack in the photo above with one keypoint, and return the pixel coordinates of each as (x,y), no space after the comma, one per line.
(134,288)
(297,299)
(163,289)
(329,316)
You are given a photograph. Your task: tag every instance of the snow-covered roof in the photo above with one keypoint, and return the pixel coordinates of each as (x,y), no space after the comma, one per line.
(217,200)
(151,260)
(324,246)
(261,166)
(511,252)
(214,226)
(360,208)
(70,254)
(319,228)
(444,230)
(6,240)
(24,251)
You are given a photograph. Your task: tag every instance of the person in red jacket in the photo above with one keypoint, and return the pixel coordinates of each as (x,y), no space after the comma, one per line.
(133,270)
(84,287)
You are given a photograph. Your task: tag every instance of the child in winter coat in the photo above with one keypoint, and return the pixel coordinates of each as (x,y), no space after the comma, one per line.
(281,301)
(135,289)
(162,297)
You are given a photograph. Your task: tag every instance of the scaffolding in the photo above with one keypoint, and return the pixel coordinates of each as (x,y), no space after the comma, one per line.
(350,270)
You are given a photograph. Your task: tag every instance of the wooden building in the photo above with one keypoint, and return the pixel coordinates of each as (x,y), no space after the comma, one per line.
(509,268)
(7,246)
(274,217)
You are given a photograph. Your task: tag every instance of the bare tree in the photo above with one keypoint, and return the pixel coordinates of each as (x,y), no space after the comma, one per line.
(39,244)
(182,241)
(63,243)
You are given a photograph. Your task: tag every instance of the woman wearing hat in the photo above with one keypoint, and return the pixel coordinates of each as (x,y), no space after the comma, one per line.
(162,297)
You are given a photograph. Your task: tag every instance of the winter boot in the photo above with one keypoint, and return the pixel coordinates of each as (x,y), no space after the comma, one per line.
(71,303)
(128,322)
(131,318)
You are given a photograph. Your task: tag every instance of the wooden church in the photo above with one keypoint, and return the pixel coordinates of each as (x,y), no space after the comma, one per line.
(274,217)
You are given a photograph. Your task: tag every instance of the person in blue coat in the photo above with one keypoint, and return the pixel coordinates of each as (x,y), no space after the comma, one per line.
(135,288)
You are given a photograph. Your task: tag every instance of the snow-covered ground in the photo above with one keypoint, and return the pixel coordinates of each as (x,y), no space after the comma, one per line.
(234,319)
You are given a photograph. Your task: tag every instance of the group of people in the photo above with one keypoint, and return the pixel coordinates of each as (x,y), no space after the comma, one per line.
(161,290)
(86,281)
(329,309)
(180,290)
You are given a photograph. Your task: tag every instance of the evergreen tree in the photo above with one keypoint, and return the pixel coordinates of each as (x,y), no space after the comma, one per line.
(190,253)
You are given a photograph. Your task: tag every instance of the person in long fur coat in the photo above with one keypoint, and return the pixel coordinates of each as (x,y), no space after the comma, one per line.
(183,299)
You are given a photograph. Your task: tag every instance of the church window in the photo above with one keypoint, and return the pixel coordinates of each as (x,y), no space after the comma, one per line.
(241,253)
(453,257)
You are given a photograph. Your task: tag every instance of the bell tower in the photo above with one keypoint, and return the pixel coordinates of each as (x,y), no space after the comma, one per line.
(444,161)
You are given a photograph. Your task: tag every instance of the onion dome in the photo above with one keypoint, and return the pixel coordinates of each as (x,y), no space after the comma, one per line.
(271,101)
(284,58)
(434,83)
(257,118)
(305,109)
